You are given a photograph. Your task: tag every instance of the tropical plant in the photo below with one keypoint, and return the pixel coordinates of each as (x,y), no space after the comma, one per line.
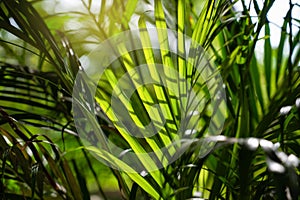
(48,100)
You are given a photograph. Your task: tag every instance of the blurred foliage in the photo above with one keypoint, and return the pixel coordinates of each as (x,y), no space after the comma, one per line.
(42,157)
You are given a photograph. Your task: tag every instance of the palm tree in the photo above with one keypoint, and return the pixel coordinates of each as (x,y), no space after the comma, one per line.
(223,123)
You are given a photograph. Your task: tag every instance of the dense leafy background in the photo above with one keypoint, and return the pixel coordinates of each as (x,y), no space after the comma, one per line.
(41,154)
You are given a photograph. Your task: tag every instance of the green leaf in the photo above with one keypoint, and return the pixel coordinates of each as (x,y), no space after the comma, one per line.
(136,177)
(268,59)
